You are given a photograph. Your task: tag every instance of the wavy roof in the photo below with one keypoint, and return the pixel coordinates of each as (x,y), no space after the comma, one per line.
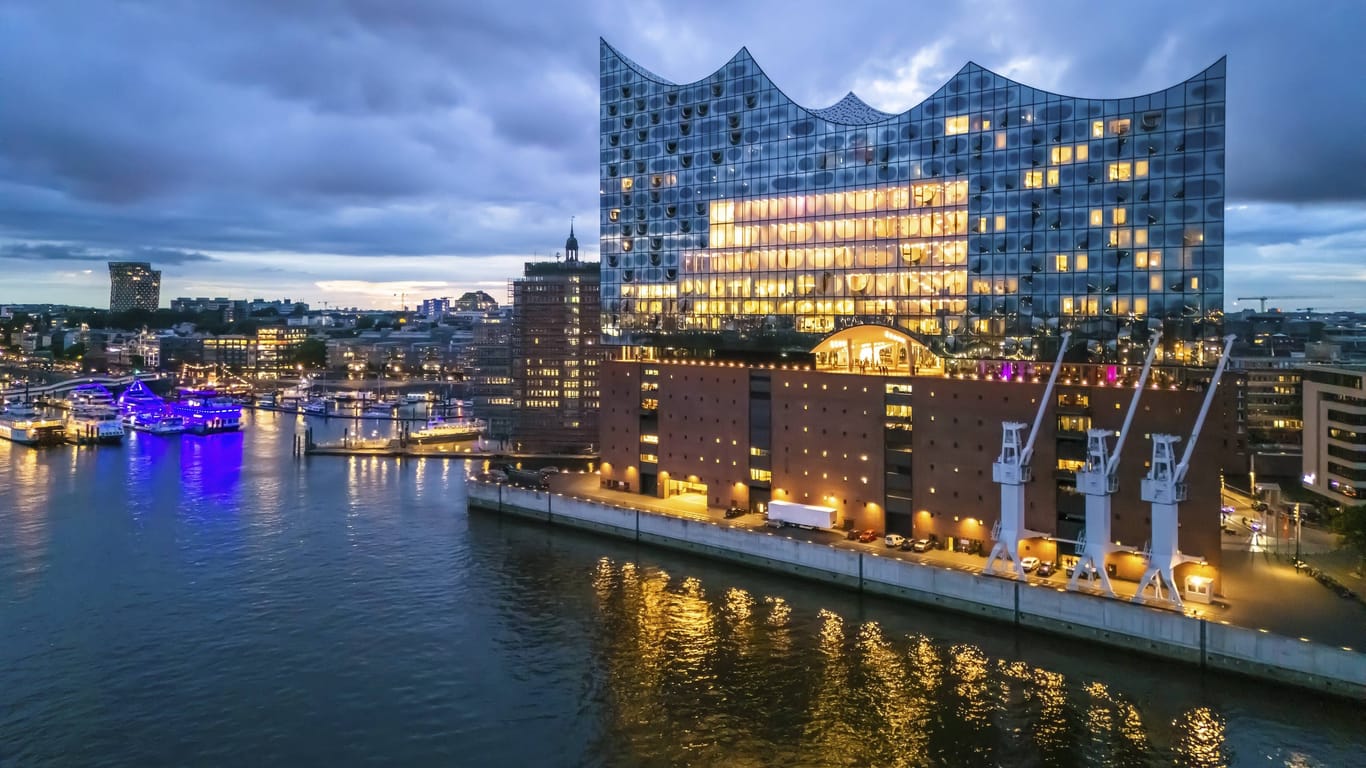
(851,110)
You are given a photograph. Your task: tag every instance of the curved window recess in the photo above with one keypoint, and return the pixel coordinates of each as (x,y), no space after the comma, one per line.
(685,161)
(613,139)
(628,122)
(641,227)
(640,105)
(642,136)
(613,261)
(612,110)
(656,243)
(626,245)
(858,283)
(654,118)
(701,110)
(685,129)
(654,259)
(626,231)
(733,121)
(716,158)
(686,112)
(626,91)
(671,98)
(671,147)
(612,171)
(670,211)
(750,101)
(734,138)
(626,153)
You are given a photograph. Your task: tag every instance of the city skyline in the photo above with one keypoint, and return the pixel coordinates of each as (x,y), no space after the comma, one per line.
(428,150)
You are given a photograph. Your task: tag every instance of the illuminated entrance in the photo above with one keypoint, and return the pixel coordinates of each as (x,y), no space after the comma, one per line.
(684,487)
(876,349)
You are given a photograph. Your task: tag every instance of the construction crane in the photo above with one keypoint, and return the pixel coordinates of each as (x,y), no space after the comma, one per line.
(1011,470)
(1263,299)
(1099,480)
(1165,488)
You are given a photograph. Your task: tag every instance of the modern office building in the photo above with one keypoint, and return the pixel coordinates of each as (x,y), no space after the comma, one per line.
(1335,432)
(133,285)
(490,374)
(840,306)
(275,348)
(556,354)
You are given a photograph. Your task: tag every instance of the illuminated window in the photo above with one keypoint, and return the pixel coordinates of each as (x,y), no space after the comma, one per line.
(1119,216)
(1081,261)
(982,224)
(761,475)
(1033,179)
(753,451)
(956,125)
(1068,306)
(1195,283)
(650,439)
(1154,259)
(1062,262)
(649,458)
(627,184)
(614,214)
(1082,152)
(1141,168)
(1097,217)
(1053,177)
(1000,223)
(1141,260)
(1155,283)
(1119,127)
(1061,155)
(1098,129)
(1140,305)
(1001,140)
(1123,171)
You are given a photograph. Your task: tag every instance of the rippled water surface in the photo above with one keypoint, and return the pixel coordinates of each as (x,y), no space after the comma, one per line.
(213,601)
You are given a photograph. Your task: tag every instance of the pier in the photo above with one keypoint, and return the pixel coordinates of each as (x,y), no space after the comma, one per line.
(403,446)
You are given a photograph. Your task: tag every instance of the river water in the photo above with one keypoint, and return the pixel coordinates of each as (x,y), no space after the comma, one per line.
(215,601)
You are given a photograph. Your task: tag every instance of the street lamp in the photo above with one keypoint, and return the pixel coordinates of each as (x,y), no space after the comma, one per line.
(1297,536)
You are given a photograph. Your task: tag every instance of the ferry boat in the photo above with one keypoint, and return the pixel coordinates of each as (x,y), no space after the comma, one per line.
(266,401)
(439,430)
(92,396)
(94,425)
(20,423)
(315,408)
(206,412)
(155,423)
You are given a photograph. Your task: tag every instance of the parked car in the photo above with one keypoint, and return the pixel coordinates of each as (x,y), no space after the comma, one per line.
(894,540)
(1044,570)
(735,511)
(851,534)
(920,545)
(1029,563)
(867,536)
(907,545)
(773,523)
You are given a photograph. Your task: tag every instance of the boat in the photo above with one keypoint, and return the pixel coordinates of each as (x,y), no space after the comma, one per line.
(315,407)
(21,423)
(266,401)
(164,423)
(438,430)
(94,425)
(91,396)
(377,411)
(138,398)
(206,412)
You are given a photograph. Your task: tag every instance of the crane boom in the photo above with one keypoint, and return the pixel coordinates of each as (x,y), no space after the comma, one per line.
(1204,410)
(1028,450)
(1133,406)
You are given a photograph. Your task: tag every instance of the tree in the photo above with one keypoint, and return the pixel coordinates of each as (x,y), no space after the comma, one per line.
(365,323)
(1351,526)
(74,351)
(311,353)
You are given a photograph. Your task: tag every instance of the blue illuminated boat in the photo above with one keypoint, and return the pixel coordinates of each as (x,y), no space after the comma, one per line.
(206,412)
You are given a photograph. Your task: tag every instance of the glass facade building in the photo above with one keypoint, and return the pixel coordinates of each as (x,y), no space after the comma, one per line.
(983,221)
(133,285)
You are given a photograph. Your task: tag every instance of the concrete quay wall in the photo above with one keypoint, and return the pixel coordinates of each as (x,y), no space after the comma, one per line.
(1115,623)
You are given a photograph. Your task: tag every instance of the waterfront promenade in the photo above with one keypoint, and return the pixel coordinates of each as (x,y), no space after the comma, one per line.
(1211,638)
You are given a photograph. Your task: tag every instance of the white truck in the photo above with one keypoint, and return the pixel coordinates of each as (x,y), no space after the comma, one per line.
(782,513)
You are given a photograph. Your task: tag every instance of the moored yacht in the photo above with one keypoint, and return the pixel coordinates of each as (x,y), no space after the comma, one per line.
(94,425)
(439,430)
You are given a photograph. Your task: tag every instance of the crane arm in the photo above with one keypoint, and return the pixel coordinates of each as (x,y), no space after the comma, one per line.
(1204,410)
(1133,404)
(1028,450)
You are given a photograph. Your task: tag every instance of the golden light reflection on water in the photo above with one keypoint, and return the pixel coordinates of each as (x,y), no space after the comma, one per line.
(27,534)
(727,677)
(1200,739)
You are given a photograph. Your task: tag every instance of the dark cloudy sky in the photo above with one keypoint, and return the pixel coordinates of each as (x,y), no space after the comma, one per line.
(350,151)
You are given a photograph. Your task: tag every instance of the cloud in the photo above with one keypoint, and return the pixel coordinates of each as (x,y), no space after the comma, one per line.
(337,141)
(67,252)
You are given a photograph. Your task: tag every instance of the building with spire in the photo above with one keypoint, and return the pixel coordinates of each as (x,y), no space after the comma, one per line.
(556,354)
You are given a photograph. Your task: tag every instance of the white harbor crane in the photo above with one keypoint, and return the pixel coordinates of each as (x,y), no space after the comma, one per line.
(1165,488)
(1011,470)
(1098,480)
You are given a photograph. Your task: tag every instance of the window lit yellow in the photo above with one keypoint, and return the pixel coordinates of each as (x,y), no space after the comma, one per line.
(1141,305)
(627,183)
(1061,262)
(1098,129)
(1119,216)
(1053,177)
(1097,217)
(1195,283)
(1061,155)
(1082,151)
(1140,237)
(1120,126)
(956,125)
(1123,171)
(1155,283)
(1068,306)
(1141,168)
(1033,179)
(1001,140)
(1000,223)
(1081,261)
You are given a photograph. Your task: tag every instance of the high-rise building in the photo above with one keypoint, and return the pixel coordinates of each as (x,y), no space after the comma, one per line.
(841,306)
(1335,432)
(133,285)
(490,375)
(556,354)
